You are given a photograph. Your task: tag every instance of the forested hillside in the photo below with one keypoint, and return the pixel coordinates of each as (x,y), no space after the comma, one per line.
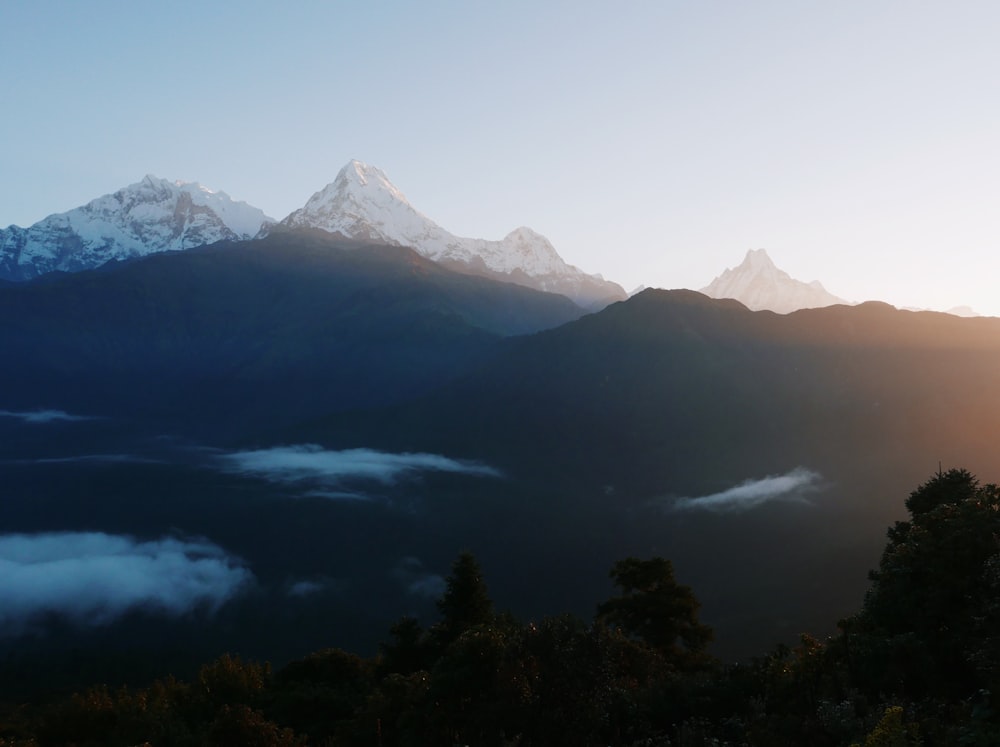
(916,665)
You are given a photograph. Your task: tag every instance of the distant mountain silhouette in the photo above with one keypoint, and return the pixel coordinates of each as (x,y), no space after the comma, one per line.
(601,424)
(607,431)
(297,324)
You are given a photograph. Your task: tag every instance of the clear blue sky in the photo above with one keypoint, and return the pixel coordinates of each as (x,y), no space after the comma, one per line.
(653,142)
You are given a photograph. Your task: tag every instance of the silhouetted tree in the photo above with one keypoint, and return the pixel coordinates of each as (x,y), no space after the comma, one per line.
(466,601)
(241,725)
(654,608)
(316,694)
(408,650)
(931,613)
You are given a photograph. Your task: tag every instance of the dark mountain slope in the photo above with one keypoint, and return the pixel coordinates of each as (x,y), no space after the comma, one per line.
(603,424)
(670,375)
(252,332)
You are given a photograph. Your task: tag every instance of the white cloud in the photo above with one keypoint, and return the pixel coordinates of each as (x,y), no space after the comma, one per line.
(41,417)
(418,582)
(310,464)
(92,578)
(791,486)
(305,587)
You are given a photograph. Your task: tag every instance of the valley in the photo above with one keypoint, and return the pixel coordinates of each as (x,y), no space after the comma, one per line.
(335,420)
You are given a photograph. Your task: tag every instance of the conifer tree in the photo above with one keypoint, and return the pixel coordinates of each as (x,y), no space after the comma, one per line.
(466,601)
(654,608)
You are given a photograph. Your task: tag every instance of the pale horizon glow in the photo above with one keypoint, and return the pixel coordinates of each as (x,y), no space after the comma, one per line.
(653,143)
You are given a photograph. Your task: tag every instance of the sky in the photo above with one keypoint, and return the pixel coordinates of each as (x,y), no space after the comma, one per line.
(858,142)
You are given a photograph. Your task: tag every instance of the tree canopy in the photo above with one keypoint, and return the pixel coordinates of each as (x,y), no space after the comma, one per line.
(654,608)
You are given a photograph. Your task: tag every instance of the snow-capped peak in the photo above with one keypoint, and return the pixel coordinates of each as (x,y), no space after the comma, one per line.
(758,260)
(155,215)
(152,215)
(759,284)
(362,203)
(360,174)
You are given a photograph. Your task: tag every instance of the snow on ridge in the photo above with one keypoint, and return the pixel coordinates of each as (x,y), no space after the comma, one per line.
(156,215)
(759,284)
(153,215)
(362,203)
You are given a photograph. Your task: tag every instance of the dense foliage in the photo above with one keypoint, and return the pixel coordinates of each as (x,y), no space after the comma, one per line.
(917,665)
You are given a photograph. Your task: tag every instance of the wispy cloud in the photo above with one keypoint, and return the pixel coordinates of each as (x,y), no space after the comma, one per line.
(93,578)
(321,469)
(792,486)
(306,587)
(417,581)
(41,417)
(89,459)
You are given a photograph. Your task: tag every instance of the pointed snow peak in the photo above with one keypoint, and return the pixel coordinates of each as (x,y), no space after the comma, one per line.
(361,203)
(523,233)
(359,175)
(149,184)
(759,284)
(356,192)
(359,171)
(757,259)
(356,172)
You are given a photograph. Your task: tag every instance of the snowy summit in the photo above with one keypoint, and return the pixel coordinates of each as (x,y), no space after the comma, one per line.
(758,284)
(361,203)
(153,215)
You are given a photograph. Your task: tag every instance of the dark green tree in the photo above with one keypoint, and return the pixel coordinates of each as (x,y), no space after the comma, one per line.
(317,694)
(476,686)
(241,725)
(466,601)
(951,487)
(657,610)
(928,624)
(408,650)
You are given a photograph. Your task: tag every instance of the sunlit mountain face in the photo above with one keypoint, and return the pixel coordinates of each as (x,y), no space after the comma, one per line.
(307,430)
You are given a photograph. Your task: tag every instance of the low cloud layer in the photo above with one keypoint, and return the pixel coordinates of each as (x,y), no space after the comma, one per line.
(41,417)
(792,486)
(311,465)
(92,578)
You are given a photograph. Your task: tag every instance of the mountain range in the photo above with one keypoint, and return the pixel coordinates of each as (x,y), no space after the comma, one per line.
(608,432)
(763,453)
(155,215)
(316,321)
(361,203)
